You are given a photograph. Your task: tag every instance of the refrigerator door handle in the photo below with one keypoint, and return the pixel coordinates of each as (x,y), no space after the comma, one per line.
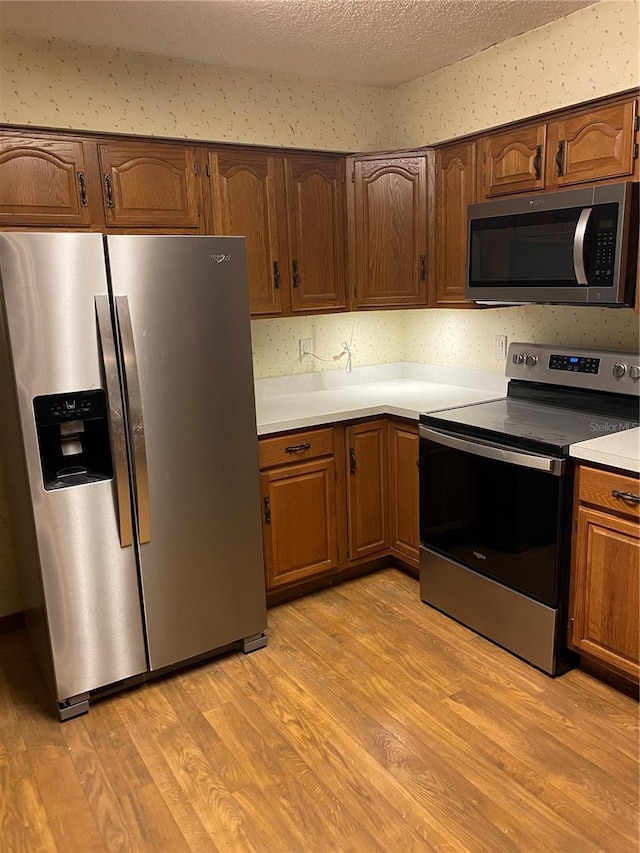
(136,422)
(116,419)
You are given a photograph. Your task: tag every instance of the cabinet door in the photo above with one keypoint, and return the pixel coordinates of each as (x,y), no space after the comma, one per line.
(513,161)
(403,490)
(605,586)
(455,191)
(299,521)
(367,489)
(317,232)
(43,182)
(390,231)
(591,146)
(248,193)
(150,186)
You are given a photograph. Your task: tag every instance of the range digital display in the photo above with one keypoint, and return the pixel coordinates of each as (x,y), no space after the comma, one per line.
(575,363)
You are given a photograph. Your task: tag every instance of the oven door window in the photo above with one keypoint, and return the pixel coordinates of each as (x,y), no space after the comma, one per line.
(496,518)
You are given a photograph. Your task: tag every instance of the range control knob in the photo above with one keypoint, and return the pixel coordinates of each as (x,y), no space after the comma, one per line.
(517,358)
(531,360)
(619,369)
(634,371)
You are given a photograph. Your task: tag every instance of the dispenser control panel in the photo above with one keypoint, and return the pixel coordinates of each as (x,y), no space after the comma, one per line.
(75,406)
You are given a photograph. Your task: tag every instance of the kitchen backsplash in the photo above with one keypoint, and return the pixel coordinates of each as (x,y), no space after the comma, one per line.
(446,337)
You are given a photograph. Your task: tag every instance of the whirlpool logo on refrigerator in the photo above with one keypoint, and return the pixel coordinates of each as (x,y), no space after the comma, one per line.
(220,258)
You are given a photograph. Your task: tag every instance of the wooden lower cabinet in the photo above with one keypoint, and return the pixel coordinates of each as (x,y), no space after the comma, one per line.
(338,500)
(367,488)
(605,581)
(403,491)
(300,493)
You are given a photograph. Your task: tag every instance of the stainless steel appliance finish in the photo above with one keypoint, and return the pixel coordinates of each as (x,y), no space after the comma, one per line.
(573,247)
(509,618)
(496,488)
(160,561)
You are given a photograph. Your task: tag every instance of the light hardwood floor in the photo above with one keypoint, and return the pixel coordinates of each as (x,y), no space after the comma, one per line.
(369,723)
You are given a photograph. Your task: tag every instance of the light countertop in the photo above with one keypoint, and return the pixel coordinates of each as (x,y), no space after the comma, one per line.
(616,449)
(402,397)
(297,402)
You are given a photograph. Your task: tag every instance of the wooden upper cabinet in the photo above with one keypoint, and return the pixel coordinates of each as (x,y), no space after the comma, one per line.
(367,488)
(248,191)
(513,161)
(43,182)
(317,231)
(149,185)
(389,231)
(455,191)
(593,145)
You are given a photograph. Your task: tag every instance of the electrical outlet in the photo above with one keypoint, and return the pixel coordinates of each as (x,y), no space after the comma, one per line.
(500,347)
(305,349)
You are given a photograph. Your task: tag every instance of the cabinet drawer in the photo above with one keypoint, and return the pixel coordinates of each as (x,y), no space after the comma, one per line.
(598,487)
(297,447)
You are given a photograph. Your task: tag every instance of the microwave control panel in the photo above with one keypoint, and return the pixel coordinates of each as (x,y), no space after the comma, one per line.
(604,244)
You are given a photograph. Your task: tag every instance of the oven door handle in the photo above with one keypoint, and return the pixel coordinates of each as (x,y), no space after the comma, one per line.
(536,461)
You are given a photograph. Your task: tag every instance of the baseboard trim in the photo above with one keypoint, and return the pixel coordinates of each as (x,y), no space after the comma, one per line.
(12,622)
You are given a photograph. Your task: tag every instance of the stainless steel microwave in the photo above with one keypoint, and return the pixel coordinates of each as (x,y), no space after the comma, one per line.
(576,247)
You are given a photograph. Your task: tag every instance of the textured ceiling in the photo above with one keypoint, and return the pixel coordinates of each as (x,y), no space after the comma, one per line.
(375,42)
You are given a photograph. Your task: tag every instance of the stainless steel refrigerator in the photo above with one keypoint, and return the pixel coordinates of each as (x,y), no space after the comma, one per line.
(130,453)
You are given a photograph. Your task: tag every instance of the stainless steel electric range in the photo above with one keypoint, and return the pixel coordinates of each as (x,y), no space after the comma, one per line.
(496,490)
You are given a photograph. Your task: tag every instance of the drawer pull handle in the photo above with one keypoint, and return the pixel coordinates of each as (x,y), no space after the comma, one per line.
(352,460)
(267,511)
(625,496)
(296,448)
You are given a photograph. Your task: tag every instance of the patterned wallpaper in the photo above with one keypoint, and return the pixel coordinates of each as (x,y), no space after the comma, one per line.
(52,83)
(592,52)
(373,338)
(464,338)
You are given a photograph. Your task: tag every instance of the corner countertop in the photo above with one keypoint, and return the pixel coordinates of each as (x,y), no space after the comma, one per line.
(394,393)
(616,450)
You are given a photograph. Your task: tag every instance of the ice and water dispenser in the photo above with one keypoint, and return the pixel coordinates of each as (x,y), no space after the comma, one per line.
(73,438)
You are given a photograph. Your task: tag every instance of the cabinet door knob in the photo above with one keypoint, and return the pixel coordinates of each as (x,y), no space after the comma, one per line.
(276,275)
(267,511)
(352,460)
(295,274)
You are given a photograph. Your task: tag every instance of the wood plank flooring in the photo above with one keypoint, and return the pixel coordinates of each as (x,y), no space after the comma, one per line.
(369,723)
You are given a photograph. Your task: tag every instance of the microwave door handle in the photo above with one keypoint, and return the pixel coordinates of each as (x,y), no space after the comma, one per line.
(136,423)
(497,452)
(116,419)
(578,246)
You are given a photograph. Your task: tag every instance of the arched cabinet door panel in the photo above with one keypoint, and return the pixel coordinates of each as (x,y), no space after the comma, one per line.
(389,231)
(317,231)
(247,190)
(44,182)
(148,185)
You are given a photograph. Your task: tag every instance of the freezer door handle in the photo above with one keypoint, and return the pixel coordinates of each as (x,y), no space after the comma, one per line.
(116,419)
(136,422)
